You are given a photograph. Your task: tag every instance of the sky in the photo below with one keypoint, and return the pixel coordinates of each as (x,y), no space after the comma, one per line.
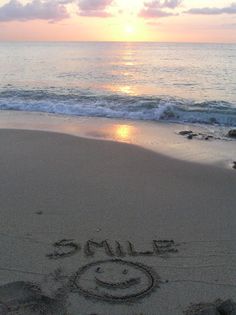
(118,20)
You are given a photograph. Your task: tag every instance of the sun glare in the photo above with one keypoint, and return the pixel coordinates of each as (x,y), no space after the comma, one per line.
(129,29)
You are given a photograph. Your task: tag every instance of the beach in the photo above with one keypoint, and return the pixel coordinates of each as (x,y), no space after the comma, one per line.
(103,227)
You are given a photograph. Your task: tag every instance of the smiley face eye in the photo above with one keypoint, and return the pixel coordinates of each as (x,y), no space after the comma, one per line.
(125,271)
(99,270)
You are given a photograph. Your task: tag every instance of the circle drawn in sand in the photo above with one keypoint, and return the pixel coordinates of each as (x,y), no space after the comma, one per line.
(115,280)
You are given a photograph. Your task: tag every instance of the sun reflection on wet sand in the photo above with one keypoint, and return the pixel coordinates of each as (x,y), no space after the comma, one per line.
(123,133)
(115,132)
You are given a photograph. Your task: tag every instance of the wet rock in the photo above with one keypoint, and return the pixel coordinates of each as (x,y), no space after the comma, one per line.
(208,137)
(185,132)
(227,308)
(213,120)
(200,136)
(232,133)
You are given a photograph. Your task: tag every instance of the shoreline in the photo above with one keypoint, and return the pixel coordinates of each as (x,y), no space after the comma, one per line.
(161,228)
(160,137)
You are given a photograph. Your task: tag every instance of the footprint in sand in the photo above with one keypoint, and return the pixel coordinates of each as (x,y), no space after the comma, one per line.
(218,307)
(24,298)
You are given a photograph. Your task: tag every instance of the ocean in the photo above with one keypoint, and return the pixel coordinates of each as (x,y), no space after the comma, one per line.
(174,82)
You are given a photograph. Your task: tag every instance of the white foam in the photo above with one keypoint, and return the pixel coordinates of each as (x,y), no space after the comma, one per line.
(124,107)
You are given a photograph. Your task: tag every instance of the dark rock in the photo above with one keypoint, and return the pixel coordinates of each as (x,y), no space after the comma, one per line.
(185,132)
(227,308)
(234,165)
(232,133)
(212,120)
(190,137)
(208,137)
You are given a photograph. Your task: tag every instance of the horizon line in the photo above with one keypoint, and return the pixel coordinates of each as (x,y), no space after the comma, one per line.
(114,41)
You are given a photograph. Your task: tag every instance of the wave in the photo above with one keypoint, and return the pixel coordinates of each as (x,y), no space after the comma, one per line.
(119,106)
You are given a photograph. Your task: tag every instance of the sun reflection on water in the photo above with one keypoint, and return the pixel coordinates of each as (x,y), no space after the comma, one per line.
(122,89)
(126,89)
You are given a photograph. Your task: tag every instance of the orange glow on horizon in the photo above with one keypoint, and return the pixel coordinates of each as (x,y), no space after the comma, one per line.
(124,22)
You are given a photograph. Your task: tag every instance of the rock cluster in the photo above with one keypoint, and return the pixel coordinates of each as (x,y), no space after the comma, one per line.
(232,133)
(190,135)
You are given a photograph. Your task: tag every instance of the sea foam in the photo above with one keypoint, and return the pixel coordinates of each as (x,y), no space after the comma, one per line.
(151,108)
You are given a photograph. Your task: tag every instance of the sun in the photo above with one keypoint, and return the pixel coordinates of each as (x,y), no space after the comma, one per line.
(129,29)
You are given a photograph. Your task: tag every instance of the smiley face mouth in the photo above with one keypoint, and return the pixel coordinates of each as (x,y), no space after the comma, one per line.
(118,285)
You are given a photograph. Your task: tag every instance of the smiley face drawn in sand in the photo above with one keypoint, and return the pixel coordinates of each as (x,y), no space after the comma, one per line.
(115,280)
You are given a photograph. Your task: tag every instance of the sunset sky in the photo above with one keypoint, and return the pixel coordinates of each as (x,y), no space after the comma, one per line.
(119,20)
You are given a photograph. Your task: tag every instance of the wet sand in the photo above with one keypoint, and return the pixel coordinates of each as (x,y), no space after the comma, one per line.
(160,137)
(109,228)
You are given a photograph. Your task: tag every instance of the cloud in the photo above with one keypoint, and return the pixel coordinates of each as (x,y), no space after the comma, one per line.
(213,10)
(172,4)
(228,26)
(51,10)
(159,8)
(154,13)
(94,8)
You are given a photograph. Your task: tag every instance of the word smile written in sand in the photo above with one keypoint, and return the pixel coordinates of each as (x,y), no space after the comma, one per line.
(68,247)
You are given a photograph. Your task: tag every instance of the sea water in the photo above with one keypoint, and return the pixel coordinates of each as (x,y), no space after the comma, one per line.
(174,82)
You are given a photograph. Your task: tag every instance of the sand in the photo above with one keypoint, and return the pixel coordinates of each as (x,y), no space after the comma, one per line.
(97,227)
(160,137)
